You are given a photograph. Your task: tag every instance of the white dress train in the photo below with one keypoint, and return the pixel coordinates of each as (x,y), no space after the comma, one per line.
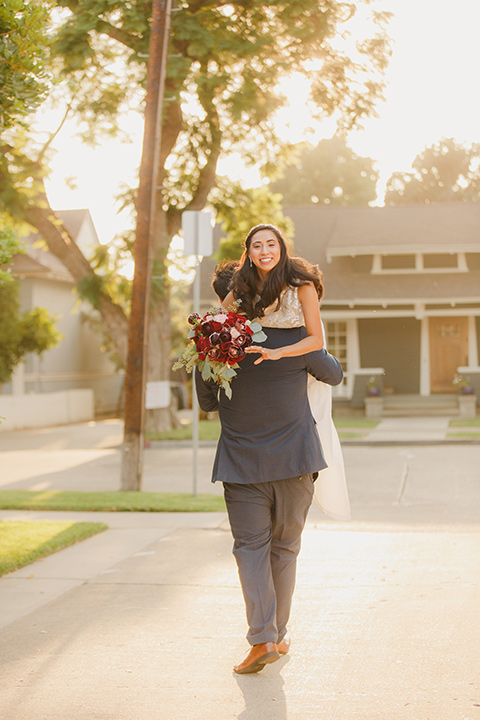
(331,494)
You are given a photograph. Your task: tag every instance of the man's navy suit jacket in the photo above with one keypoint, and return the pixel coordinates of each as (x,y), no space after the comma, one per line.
(268,431)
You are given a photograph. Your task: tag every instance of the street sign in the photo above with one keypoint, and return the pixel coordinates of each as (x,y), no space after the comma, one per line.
(197,233)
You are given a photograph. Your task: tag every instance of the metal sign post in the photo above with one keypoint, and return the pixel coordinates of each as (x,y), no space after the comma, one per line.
(198,241)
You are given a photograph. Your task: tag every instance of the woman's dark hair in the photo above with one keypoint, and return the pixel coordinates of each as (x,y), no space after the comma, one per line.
(289,270)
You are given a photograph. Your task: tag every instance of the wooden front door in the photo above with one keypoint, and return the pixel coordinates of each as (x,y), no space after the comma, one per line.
(448,350)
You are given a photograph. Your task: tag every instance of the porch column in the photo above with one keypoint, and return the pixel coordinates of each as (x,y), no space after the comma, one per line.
(424,357)
(472,342)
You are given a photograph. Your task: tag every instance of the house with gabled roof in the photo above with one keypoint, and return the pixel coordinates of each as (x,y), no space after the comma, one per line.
(402,294)
(77,362)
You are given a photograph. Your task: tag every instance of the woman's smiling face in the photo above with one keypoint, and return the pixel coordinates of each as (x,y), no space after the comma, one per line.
(264,251)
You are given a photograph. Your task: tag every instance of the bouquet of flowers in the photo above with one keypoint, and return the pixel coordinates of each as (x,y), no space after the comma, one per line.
(219,342)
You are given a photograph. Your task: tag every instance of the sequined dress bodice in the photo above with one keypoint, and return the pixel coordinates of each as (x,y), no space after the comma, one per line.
(288,315)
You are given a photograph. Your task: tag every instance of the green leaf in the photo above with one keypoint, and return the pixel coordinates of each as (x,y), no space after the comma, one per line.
(259,336)
(206,372)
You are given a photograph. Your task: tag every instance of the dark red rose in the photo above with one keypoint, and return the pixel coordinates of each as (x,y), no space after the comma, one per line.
(225,336)
(236,353)
(214,338)
(213,353)
(202,344)
(241,339)
(232,360)
(225,347)
(207,328)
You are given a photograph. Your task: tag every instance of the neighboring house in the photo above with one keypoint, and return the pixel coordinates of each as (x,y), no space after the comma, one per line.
(402,291)
(77,362)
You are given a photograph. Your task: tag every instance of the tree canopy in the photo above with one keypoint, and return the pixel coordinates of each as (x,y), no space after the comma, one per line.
(224,65)
(23,57)
(447,171)
(328,174)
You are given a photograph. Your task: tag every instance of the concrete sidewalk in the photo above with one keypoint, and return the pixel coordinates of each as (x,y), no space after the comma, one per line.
(147,619)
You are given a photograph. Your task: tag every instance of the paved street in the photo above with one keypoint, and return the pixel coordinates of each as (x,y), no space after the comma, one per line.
(146,619)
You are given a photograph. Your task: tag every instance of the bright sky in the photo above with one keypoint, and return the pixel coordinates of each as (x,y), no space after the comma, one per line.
(432,93)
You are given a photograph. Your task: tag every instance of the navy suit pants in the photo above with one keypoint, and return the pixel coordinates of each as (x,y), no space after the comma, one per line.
(267,520)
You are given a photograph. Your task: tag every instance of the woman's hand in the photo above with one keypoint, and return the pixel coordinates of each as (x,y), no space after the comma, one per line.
(265,353)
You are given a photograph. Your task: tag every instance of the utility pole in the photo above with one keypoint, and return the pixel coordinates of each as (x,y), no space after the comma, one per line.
(132,457)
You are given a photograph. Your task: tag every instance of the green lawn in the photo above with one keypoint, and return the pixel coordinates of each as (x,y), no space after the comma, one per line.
(210,429)
(109,501)
(207,430)
(464,434)
(470,428)
(357,423)
(23,542)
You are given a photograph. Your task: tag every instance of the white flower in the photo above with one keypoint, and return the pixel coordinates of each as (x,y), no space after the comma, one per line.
(220,318)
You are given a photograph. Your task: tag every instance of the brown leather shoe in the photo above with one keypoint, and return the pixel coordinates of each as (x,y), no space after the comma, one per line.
(257,658)
(283,646)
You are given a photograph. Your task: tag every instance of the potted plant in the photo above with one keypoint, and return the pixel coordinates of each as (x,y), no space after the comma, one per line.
(374,399)
(463,385)
(373,387)
(467,400)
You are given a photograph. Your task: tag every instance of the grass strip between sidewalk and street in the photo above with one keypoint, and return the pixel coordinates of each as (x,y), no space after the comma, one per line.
(207,430)
(347,427)
(109,501)
(21,543)
(465,422)
(467,428)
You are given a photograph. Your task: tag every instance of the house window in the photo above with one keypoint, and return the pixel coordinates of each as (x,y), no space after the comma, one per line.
(337,341)
(398,262)
(449,330)
(419,263)
(441,260)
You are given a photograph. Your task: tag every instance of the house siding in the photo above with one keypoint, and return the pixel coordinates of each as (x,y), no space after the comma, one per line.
(394,344)
(77,362)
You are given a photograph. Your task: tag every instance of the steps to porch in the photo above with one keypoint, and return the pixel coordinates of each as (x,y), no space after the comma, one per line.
(464,406)
(418,405)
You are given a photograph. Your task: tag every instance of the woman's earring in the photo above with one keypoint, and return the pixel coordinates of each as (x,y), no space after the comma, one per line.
(251,264)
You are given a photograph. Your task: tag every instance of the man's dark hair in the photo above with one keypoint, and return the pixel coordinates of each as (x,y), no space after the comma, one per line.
(223,276)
